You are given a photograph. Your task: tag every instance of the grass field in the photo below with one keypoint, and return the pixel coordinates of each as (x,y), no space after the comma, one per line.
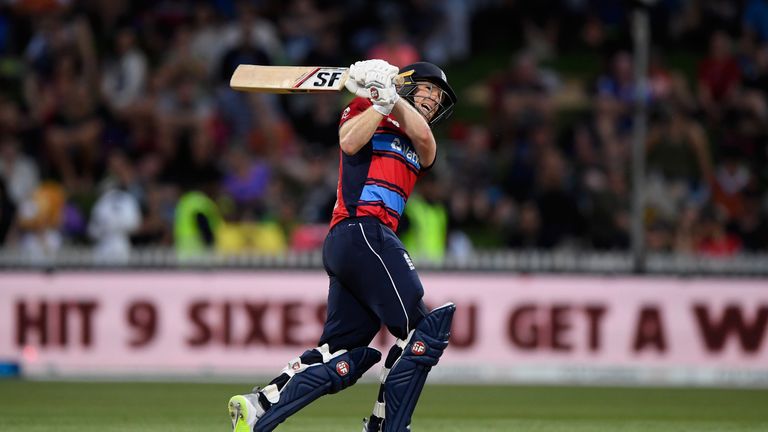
(167,407)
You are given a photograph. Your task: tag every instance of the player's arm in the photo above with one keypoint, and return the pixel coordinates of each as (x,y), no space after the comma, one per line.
(357,131)
(373,80)
(418,130)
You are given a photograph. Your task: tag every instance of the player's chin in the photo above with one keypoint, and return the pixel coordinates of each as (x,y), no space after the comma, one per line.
(426,113)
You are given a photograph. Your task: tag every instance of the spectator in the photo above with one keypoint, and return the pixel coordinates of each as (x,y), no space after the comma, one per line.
(618,85)
(423,21)
(62,56)
(19,172)
(475,157)
(659,236)
(714,240)
(40,220)
(207,35)
(561,220)
(181,62)
(326,50)
(196,225)
(7,213)
(527,232)
(607,213)
(184,119)
(678,153)
(318,125)
(687,233)
(521,95)
(124,75)
(300,24)
(426,230)
(246,182)
(158,204)
(244,52)
(752,224)
(719,77)
(73,136)
(731,181)
(263,33)
(114,217)
(755,84)
(520,161)
(541,26)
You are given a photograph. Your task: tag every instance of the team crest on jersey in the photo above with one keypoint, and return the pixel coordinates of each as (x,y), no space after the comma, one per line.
(418,348)
(342,368)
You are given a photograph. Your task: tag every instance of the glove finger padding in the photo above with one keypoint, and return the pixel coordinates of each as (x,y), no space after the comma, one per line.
(375,64)
(356,72)
(365,74)
(376,78)
(355,88)
(389,70)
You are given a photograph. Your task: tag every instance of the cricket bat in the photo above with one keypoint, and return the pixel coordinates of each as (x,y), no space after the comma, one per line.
(290,79)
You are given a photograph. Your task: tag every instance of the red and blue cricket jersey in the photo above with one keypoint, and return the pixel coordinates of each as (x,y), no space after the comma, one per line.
(378,179)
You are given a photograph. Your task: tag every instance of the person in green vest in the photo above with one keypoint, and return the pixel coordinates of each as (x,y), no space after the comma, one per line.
(197,220)
(425,230)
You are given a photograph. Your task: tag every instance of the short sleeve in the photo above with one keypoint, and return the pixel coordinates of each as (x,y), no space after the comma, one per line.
(354,108)
(425,169)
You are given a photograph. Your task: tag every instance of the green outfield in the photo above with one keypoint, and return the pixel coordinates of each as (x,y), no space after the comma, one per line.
(167,407)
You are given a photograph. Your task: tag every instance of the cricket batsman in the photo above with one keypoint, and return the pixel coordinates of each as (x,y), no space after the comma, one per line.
(386,143)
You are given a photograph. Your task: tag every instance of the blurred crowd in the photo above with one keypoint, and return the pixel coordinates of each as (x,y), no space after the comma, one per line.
(564,181)
(118,129)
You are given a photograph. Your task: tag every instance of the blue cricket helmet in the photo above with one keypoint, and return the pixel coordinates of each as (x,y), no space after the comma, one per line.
(425,72)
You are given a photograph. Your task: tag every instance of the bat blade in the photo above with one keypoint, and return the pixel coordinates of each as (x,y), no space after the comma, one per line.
(288,79)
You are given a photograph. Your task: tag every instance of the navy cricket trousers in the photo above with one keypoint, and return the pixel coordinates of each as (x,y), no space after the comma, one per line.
(372,281)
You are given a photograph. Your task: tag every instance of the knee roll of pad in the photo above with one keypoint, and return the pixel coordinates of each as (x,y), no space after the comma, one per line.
(333,375)
(430,338)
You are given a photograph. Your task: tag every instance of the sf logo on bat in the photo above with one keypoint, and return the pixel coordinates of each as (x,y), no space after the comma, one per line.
(327,79)
(321,79)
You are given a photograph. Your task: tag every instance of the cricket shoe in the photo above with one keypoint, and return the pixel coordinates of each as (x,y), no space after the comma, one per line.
(244,411)
(372,424)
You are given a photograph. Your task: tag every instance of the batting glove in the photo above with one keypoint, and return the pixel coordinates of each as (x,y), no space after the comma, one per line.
(364,74)
(384,99)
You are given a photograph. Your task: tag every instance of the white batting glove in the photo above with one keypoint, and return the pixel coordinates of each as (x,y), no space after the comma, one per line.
(375,64)
(356,88)
(367,74)
(356,77)
(378,73)
(384,99)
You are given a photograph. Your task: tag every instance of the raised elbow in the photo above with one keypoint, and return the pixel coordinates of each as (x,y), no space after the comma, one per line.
(348,146)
